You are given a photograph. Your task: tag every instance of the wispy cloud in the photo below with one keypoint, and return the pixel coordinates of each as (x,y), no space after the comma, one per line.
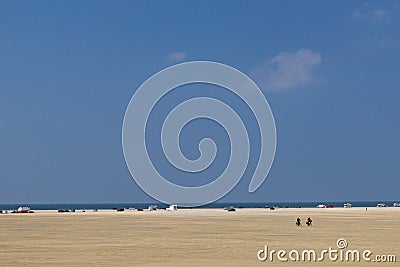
(287,70)
(177,56)
(379,13)
(357,14)
(376,14)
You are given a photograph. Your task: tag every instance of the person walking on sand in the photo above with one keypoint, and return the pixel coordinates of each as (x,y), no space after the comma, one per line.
(309,221)
(298,221)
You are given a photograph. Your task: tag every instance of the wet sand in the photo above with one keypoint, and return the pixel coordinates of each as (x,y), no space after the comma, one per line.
(198,237)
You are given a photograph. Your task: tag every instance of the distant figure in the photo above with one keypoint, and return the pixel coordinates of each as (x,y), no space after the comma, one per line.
(366,208)
(298,221)
(309,221)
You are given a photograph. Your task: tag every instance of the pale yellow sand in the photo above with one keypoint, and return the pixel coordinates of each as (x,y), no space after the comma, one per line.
(191,237)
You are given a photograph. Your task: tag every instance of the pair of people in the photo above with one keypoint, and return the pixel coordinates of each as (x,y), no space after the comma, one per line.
(309,221)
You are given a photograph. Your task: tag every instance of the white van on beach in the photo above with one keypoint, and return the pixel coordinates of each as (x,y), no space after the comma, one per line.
(23,210)
(172,207)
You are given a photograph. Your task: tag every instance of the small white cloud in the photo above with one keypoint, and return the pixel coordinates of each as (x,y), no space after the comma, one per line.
(287,70)
(357,14)
(376,14)
(177,56)
(379,14)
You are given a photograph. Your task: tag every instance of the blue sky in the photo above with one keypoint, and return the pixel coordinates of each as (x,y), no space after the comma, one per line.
(329,69)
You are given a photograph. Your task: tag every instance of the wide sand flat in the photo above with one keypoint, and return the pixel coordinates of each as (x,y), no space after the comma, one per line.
(191,237)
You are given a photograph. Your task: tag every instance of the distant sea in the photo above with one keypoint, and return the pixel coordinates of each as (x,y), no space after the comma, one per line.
(100,206)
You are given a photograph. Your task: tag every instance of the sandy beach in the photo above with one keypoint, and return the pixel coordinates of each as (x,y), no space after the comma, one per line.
(198,237)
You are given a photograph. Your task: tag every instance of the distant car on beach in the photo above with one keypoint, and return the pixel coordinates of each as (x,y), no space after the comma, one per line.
(61,211)
(230,208)
(153,207)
